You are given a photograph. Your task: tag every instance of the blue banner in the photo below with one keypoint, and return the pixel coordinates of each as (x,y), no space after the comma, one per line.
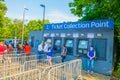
(94,24)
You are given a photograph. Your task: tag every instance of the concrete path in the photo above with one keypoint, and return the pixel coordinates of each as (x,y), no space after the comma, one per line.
(94,76)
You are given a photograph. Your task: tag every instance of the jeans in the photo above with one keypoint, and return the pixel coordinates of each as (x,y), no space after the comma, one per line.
(63,58)
(90,64)
(39,55)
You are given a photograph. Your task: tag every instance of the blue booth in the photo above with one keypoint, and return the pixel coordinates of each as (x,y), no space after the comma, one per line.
(78,37)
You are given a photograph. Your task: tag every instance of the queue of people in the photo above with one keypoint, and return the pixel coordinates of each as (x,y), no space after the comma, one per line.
(23,48)
(9,49)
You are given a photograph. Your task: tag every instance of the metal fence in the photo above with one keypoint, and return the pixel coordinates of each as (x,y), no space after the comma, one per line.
(62,71)
(13,65)
(27,75)
(43,63)
(67,71)
(9,71)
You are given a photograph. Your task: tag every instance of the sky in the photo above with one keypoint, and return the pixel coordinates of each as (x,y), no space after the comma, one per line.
(56,11)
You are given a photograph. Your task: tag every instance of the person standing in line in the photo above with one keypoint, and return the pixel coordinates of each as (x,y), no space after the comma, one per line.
(18,48)
(10,52)
(45,47)
(90,61)
(40,50)
(49,54)
(27,51)
(10,49)
(3,49)
(63,53)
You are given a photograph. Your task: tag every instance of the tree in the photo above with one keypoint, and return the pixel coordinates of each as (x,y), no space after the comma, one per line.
(34,25)
(3,10)
(96,9)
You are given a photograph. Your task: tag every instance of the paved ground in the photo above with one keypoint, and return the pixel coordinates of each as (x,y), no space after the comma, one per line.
(94,76)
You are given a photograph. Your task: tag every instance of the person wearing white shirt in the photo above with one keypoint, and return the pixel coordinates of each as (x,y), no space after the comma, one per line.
(45,47)
(40,50)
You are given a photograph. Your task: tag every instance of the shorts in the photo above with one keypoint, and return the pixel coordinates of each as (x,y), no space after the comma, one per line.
(49,58)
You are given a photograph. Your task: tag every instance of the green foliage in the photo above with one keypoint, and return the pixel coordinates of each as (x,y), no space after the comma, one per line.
(3,10)
(117,72)
(8,31)
(34,25)
(96,9)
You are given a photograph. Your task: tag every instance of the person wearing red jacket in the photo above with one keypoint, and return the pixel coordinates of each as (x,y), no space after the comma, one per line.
(27,50)
(3,49)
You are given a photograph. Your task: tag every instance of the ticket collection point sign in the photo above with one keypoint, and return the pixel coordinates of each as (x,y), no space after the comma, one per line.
(94,24)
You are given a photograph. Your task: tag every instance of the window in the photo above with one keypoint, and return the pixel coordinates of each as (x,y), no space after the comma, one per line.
(57,42)
(69,43)
(32,41)
(49,41)
(57,45)
(83,44)
(82,47)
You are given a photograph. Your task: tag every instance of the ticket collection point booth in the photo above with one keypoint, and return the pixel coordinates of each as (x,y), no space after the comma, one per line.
(79,36)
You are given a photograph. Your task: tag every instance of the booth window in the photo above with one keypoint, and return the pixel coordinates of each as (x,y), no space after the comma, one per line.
(69,45)
(100,48)
(57,42)
(82,47)
(57,45)
(48,40)
(32,41)
(83,44)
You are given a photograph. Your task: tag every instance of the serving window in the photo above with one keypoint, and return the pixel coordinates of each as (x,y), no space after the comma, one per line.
(82,46)
(69,43)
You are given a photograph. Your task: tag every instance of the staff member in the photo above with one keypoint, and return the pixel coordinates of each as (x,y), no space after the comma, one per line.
(91,57)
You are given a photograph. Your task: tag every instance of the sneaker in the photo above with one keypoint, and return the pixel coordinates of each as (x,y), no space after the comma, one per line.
(91,72)
(88,72)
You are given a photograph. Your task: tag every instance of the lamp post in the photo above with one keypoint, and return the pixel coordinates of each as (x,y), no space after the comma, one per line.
(43,13)
(23,24)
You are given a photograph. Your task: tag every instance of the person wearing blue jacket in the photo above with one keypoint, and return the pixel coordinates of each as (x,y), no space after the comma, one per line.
(49,54)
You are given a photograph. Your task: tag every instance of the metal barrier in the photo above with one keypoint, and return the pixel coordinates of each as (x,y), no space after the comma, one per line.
(35,64)
(66,71)
(11,69)
(16,68)
(27,75)
(14,65)
(62,71)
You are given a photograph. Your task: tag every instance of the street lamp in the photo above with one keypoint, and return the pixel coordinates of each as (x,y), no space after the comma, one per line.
(43,13)
(23,24)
